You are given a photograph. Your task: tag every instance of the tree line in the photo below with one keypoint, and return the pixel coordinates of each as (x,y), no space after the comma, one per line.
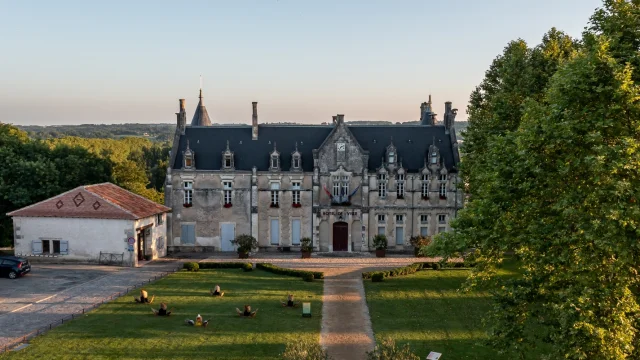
(552,171)
(34,170)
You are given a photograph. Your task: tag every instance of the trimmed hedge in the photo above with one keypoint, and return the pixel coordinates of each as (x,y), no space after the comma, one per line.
(289,272)
(308,277)
(222,265)
(247,267)
(191,266)
(377,277)
(413,268)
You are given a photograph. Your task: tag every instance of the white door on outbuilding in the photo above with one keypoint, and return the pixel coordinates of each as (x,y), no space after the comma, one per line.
(227,233)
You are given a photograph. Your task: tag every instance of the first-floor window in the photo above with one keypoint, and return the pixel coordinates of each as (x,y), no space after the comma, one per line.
(425,189)
(336,186)
(188,192)
(295,193)
(424,231)
(443,190)
(227,187)
(159,219)
(424,219)
(275,194)
(442,219)
(400,180)
(399,219)
(382,189)
(381,218)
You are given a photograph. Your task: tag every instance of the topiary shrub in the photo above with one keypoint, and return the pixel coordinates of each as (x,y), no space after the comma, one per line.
(247,267)
(308,277)
(377,277)
(387,350)
(304,350)
(191,266)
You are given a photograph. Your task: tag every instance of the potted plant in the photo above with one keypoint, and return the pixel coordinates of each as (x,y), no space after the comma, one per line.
(245,244)
(306,247)
(419,242)
(228,205)
(380,243)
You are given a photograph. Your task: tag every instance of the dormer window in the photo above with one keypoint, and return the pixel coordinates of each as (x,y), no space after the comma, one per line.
(227,158)
(188,157)
(392,157)
(296,162)
(274,159)
(296,157)
(443,177)
(434,157)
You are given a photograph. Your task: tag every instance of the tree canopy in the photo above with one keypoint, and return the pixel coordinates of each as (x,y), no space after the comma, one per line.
(552,169)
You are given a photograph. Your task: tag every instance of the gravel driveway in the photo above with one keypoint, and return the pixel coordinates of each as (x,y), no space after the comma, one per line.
(52,292)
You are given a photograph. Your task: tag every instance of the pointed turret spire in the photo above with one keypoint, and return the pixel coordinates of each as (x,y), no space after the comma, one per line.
(201,116)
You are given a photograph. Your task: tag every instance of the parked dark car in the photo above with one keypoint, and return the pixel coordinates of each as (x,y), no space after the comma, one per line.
(13,266)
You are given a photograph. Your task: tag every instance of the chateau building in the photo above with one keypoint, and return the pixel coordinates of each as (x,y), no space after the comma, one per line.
(338,184)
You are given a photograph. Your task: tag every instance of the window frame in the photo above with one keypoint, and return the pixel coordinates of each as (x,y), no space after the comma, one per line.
(295,192)
(227,188)
(275,195)
(382,219)
(400,178)
(424,219)
(442,219)
(159,219)
(443,190)
(187,198)
(399,218)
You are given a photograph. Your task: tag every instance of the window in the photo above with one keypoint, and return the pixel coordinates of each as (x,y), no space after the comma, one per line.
(295,232)
(227,188)
(399,219)
(345,186)
(336,186)
(295,193)
(400,179)
(442,229)
(275,200)
(442,219)
(382,185)
(392,157)
(56,246)
(424,219)
(46,247)
(275,232)
(227,158)
(443,191)
(399,235)
(381,230)
(425,186)
(381,218)
(296,161)
(188,193)
(159,219)
(434,157)
(188,162)
(424,231)
(443,177)
(227,161)
(188,234)
(275,161)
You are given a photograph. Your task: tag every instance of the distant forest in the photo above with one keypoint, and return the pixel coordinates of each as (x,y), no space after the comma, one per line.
(153,132)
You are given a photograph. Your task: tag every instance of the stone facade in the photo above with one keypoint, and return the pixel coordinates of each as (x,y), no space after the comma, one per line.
(338,185)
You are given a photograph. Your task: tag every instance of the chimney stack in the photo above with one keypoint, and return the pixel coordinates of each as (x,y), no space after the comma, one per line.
(182,117)
(254,121)
(340,118)
(449,116)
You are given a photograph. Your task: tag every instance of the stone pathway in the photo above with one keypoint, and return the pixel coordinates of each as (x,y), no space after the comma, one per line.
(346,326)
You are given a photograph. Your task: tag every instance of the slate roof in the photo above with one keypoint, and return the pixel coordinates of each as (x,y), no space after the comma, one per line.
(100,201)
(208,143)
(201,116)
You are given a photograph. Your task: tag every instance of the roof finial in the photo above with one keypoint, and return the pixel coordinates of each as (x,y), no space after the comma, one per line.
(296,146)
(391,140)
(274,146)
(425,161)
(187,144)
(228,146)
(429,97)
(200,87)
(434,141)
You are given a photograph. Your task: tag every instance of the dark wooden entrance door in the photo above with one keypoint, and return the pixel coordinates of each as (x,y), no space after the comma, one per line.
(141,245)
(340,236)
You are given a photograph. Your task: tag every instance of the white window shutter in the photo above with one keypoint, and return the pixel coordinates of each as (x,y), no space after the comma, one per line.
(64,247)
(36,247)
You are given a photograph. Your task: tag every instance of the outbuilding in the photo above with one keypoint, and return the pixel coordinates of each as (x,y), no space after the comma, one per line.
(94,223)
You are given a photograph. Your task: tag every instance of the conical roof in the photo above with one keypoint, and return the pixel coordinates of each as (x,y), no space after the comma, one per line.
(201,116)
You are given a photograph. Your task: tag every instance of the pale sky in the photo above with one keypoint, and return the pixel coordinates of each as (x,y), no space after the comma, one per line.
(74,62)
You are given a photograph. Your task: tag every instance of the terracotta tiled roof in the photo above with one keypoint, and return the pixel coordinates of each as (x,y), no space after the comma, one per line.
(101,201)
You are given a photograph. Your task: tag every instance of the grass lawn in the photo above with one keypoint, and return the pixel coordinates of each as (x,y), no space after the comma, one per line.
(426,310)
(125,330)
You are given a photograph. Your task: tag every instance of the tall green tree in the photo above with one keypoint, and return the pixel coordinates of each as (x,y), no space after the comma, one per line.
(558,184)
